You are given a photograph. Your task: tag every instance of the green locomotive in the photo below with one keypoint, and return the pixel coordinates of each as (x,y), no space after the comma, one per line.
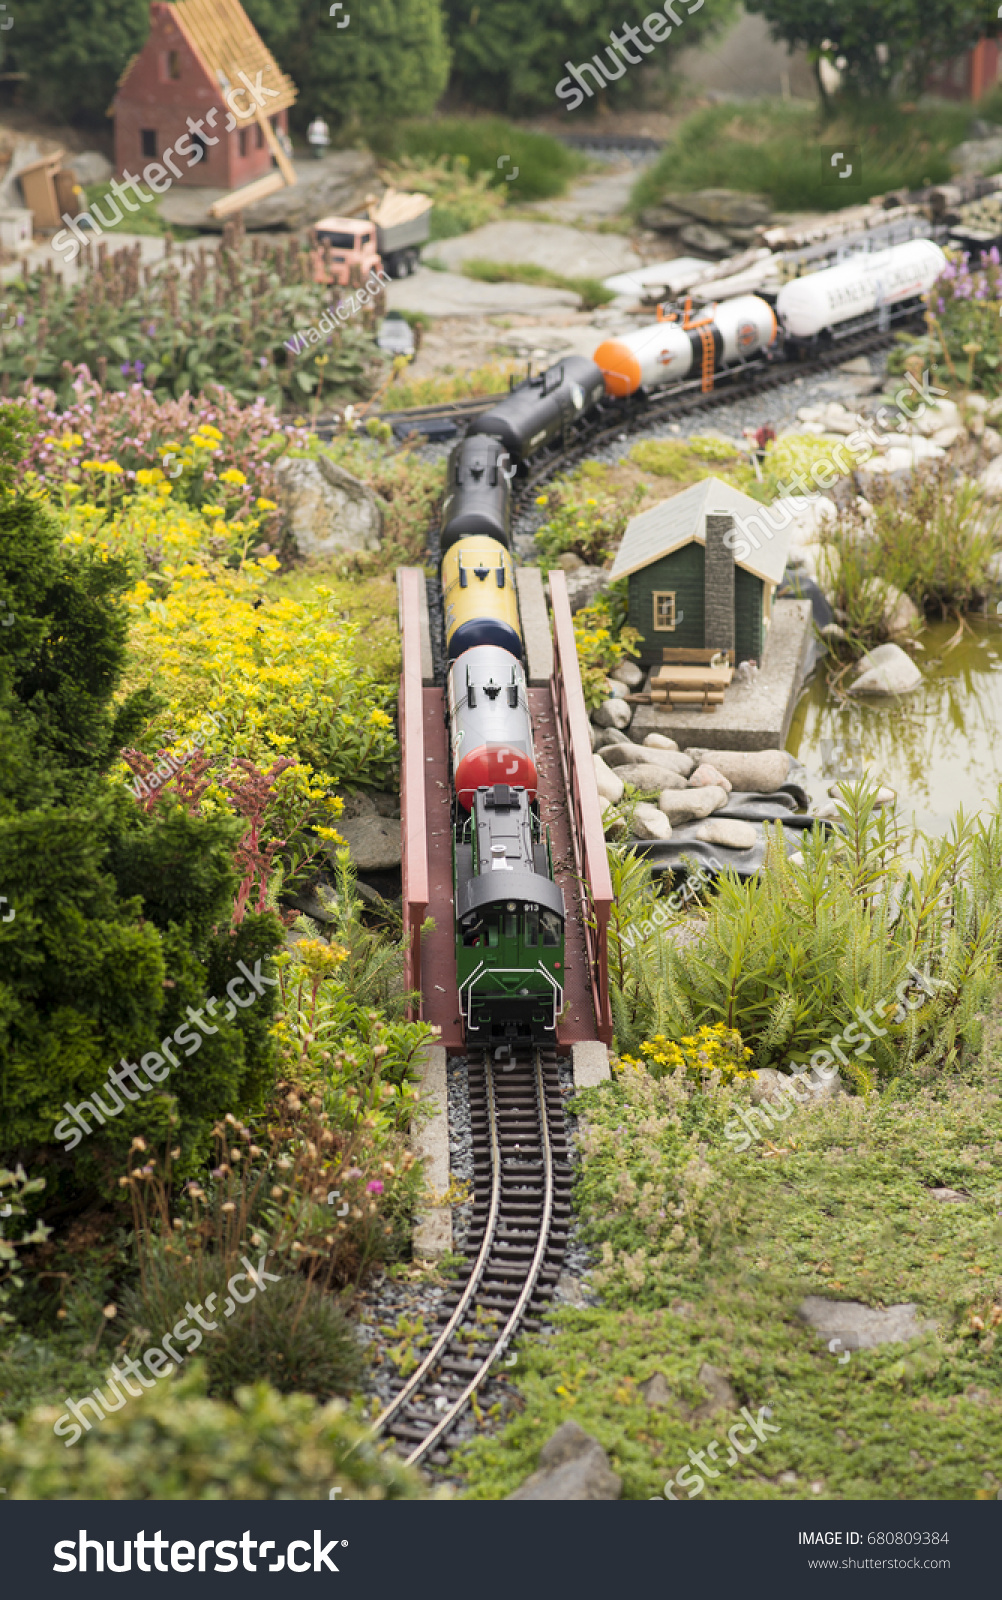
(509,921)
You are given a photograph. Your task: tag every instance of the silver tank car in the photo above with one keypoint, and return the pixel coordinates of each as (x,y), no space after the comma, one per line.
(489,723)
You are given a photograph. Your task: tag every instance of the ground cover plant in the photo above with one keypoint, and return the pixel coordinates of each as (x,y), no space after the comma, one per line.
(215,317)
(590,290)
(490,379)
(545,166)
(962,346)
(777,148)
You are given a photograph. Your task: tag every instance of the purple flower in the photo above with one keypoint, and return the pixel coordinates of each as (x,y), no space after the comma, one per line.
(20,319)
(262,361)
(375,1187)
(125,368)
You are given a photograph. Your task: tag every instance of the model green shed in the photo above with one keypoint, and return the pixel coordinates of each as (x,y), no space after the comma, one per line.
(702,569)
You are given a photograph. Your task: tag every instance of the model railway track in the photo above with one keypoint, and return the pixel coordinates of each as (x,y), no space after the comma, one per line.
(516,1245)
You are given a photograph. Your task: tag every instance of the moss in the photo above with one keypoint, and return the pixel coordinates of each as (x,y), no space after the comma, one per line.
(837,1204)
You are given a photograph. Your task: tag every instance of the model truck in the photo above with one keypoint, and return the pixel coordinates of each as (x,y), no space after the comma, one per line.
(389,236)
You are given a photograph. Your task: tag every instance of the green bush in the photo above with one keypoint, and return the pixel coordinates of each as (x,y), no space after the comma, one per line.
(545,166)
(590,289)
(173,1443)
(791,957)
(777,149)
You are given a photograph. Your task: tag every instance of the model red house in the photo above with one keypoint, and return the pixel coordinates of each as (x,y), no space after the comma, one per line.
(205,61)
(969,76)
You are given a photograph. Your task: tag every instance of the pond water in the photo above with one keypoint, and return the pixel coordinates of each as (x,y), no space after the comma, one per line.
(939,748)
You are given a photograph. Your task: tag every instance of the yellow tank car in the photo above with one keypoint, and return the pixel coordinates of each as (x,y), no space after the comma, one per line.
(478,588)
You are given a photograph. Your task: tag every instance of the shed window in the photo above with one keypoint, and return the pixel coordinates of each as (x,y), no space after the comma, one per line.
(149,139)
(664,610)
(242,141)
(258,137)
(173,64)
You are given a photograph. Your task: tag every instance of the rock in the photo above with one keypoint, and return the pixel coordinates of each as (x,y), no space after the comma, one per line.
(663,219)
(858,367)
(629,673)
(374,842)
(827,810)
(572,1466)
(89,166)
(994,411)
(833,630)
(607,736)
(885,796)
(991,442)
(733,834)
(649,778)
(610,787)
(722,207)
(569,1291)
(569,562)
(946,438)
(704,240)
(612,822)
(951,1196)
(616,691)
(796,859)
(691,805)
(720,1395)
(975,402)
(976,156)
(900,614)
(991,479)
(860,1327)
(593,733)
(660,741)
(705,774)
(748,771)
(656,1392)
(810,516)
(584,585)
(649,756)
(325,508)
(838,420)
(650,823)
(335,186)
(613,714)
(886,671)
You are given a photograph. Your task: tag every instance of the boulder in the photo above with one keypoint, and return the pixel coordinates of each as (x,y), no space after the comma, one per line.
(89,166)
(810,516)
(660,741)
(325,508)
(663,219)
(584,585)
(728,208)
(613,714)
(947,437)
(886,671)
(649,778)
(373,841)
(704,240)
(629,673)
(333,187)
(623,755)
(612,822)
(650,823)
(991,442)
(748,771)
(991,479)
(707,774)
(610,787)
(615,690)
(572,1466)
(691,805)
(901,614)
(860,1327)
(655,1391)
(607,736)
(720,1395)
(733,834)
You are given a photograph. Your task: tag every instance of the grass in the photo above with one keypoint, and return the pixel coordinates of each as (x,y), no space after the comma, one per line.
(590,290)
(147,220)
(838,1205)
(781,150)
(491,379)
(685,460)
(545,166)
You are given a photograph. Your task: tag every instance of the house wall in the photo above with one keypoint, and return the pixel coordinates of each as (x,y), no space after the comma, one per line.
(150,99)
(683,573)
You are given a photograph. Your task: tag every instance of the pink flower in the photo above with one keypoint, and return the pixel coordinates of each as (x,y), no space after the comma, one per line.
(375,1187)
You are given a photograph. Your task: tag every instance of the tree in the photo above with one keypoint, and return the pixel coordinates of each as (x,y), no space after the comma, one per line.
(74,55)
(391,60)
(878,45)
(119,916)
(512,54)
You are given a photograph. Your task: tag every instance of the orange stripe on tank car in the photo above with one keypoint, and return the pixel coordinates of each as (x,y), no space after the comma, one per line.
(620,368)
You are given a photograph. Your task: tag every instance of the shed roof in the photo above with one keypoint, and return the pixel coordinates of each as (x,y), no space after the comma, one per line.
(226,42)
(682,519)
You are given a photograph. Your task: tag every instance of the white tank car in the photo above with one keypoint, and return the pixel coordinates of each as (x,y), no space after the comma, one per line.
(665,352)
(860,285)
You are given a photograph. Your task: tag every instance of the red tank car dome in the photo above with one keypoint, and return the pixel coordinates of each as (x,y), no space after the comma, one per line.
(494,763)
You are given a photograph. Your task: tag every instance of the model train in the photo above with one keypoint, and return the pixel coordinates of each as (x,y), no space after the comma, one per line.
(509,909)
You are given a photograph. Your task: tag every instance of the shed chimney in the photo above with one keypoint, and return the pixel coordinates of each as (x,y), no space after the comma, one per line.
(718,584)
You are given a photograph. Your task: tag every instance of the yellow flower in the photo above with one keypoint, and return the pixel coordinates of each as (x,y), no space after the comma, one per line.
(147,475)
(379,719)
(213,511)
(209,431)
(111,467)
(265,505)
(231,475)
(542,499)
(203,444)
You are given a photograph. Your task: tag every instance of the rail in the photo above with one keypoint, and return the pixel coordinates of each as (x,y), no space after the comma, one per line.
(413,814)
(591,863)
